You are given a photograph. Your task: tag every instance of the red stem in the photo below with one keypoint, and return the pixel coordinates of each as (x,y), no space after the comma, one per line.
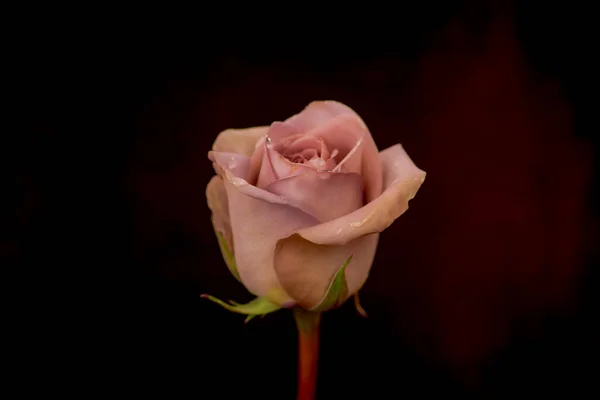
(308,352)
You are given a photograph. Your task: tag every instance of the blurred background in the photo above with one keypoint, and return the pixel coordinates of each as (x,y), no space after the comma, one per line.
(483,289)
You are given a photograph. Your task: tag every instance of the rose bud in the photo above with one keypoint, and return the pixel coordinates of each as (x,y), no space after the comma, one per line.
(298,205)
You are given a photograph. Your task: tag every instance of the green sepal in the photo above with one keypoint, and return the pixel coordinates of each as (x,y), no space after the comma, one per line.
(337,292)
(227,254)
(260,306)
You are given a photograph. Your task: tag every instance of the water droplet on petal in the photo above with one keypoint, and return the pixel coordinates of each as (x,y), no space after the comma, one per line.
(237,181)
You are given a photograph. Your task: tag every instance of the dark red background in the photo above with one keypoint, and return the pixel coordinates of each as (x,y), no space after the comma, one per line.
(484,288)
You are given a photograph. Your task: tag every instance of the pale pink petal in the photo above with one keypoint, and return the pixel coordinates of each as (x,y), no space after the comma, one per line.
(227,164)
(402,179)
(358,272)
(251,190)
(216,196)
(302,143)
(256,161)
(308,154)
(325,154)
(237,164)
(321,165)
(307,261)
(353,160)
(280,131)
(266,172)
(275,166)
(305,269)
(324,195)
(239,141)
(344,133)
(257,225)
(319,113)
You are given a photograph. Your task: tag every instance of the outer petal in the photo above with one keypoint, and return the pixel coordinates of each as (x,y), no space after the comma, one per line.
(279,131)
(232,167)
(305,269)
(306,261)
(402,179)
(324,195)
(216,197)
(239,141)
(318,113)
(237,164)
(257,224)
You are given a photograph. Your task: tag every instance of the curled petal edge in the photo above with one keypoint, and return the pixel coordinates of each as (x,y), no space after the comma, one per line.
(402,181)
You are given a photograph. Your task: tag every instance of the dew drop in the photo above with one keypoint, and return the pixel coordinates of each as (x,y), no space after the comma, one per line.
(237,181)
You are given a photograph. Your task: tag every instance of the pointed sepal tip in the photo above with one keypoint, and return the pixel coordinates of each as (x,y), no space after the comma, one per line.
(260,306)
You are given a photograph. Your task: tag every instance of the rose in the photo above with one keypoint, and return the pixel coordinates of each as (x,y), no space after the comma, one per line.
(292,202)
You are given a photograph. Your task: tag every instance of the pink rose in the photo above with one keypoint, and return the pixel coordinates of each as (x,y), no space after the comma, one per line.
(293,201)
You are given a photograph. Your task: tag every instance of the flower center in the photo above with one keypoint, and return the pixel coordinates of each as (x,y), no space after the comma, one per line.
(308,150)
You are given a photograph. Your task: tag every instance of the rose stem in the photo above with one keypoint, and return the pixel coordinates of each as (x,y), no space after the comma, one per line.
(308,352)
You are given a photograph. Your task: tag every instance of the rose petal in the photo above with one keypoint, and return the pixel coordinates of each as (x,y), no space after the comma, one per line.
(280,131)
(216,197)
(321,165)
(325,154)
(302,143)
(353,160)
(257,225)
(307,261)
(308,154)
(402,179)
(345,133)
(239,141)
(317,113)
(275,166)
(224,161)
(237,164)
(343,136)
(305,269)
(324,195)
(256,161)
(251,190)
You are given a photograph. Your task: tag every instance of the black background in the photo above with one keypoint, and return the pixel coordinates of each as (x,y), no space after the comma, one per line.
(483,289)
